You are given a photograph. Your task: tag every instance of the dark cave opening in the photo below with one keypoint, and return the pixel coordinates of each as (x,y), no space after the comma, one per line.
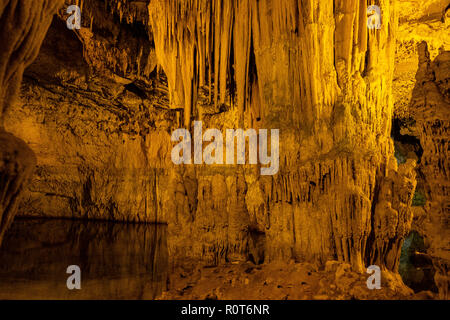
(406,146)
(416,267)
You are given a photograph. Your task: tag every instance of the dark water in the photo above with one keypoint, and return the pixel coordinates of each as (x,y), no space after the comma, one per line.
(117,261)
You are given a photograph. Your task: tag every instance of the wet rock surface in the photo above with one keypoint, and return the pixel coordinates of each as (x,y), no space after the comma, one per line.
(358,168)
(117,261)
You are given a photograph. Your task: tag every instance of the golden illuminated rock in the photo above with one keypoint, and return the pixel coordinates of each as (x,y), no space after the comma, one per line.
(430,106)
(100,105)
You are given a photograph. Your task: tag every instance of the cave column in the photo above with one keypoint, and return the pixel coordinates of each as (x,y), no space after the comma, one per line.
(23,25)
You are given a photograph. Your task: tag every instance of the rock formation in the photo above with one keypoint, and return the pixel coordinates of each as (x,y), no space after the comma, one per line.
(23,27)
(430,106)
(116,260)
(100,104)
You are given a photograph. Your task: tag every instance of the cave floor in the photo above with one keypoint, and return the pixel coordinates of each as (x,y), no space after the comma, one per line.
(280,281)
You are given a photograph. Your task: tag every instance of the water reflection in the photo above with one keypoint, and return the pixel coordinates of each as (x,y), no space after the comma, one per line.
(117,261)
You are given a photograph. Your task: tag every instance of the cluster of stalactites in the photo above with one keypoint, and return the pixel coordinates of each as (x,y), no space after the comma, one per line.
(311,52)
(199,42)
(130,11)
(192,42)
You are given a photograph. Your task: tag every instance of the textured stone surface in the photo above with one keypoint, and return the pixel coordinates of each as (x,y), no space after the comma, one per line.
(100,104)
(23,27)
(278,281)
(116,260)
(431,111)
(418,21)
(299,213)
(17,163)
